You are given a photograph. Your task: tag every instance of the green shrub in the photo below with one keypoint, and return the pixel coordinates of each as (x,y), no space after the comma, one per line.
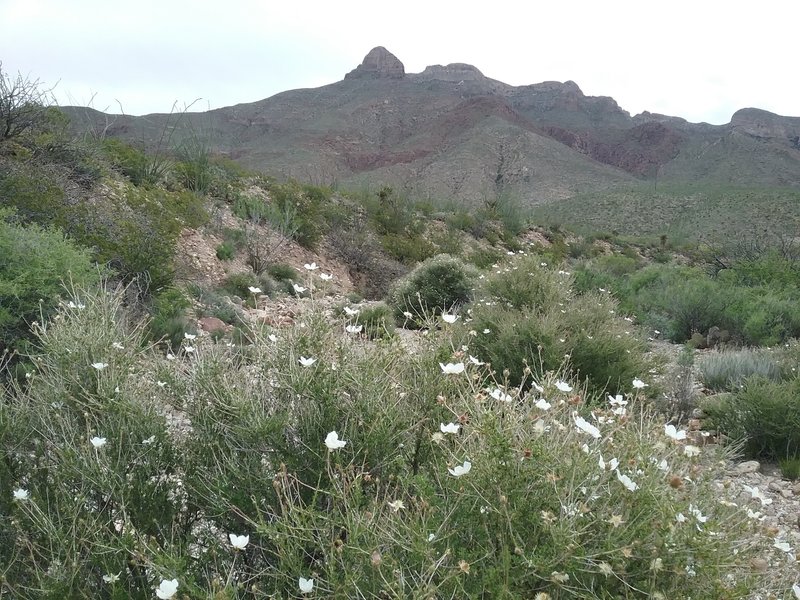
(409,250)
(534,509)
(483,258)
(35,265)
(193,168)
(728,369)
(34,196)
(239,284)
(439,283)
(377,321)
(601,348)
(764,415)
(790,467)
(282,272)
(168,317)
(225,251)
(528,285)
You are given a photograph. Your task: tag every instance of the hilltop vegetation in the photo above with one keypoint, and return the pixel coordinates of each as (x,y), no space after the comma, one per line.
(456,401)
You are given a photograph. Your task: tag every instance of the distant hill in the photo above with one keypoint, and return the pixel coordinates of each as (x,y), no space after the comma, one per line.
(452,133)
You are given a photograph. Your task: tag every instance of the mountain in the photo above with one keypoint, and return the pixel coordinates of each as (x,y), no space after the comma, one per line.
(450,132)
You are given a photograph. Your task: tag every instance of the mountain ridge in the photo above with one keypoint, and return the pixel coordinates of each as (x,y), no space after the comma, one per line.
(382,126)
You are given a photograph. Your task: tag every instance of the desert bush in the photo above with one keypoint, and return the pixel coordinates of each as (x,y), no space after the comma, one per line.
(282,272)
(763,415)
(168,317)
(377,321)
(407,249)
(225,251)
(523,498)
(33,195)
(790,467)
(35,265)
(193,167)
(525,284)
(439,283)
(530,318)
(726,370)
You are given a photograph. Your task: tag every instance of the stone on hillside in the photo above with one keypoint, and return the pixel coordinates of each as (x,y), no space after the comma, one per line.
(379,63)
(750,466)
(212,324)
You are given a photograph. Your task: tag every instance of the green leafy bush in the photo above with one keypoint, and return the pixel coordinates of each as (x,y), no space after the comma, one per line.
(35,265)
(764,415)
(282,272)
(437,284)
(169,321)
(531,322)
(377,321)
(409,250)
(225,251)
(728,369)
(790,467)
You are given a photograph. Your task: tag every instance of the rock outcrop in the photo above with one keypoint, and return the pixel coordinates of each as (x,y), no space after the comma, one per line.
(379,63)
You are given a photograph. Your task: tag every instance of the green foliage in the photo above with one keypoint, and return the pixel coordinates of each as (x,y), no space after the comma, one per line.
(409,250)
(35,264)
(193,168)
(168,317)
(225,251)
(530,321)
(756,302)
(790,467)
(437,284)
(134,230)
(528,285)
(306,203)
(390,213)
(728,369)
(239,284)
(34,196)
(377,320)
(282,272)
(764,415)
(483,258)
(243,452)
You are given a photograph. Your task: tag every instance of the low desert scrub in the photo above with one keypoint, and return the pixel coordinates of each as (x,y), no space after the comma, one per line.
(726,370)
(529,318)
(320,464)
(763,414)
(436,285)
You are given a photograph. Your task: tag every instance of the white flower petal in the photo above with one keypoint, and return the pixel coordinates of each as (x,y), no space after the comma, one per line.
(333,442)
(460,470)
(306,585)
(586,427)
(452,368)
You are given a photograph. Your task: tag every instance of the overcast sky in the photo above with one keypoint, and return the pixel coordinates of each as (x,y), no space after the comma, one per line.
(700,59)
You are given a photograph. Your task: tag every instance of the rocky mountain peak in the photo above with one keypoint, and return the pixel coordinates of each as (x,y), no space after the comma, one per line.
(379,63)
(452,72)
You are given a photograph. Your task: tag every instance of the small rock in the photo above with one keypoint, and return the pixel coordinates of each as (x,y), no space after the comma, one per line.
(777,486)
(759,564)
(698,413)
(212,324)
(750,466)
(694,424)
(796,488)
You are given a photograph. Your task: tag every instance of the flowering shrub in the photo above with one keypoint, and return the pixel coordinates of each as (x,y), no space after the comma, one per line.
(531,319)
(369,471)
